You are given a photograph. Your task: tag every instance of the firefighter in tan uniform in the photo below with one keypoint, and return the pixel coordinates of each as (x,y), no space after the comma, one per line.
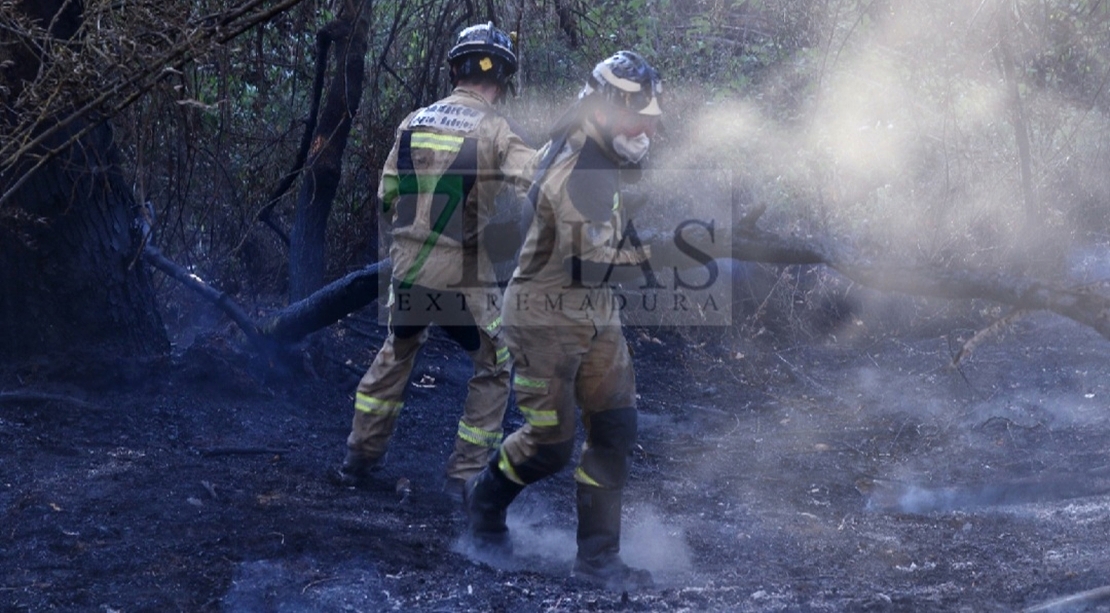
(438,188)
(563,328)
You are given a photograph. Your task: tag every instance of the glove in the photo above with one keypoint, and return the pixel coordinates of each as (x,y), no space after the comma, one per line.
(502,240)
(505,232)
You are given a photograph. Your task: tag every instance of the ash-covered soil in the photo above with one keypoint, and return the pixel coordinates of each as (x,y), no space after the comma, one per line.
(847,471)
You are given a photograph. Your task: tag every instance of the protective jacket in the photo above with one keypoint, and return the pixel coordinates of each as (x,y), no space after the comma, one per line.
(438,189)
(575,247)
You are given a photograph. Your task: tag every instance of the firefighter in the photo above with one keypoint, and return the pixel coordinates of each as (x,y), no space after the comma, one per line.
(438,188)
(563,328)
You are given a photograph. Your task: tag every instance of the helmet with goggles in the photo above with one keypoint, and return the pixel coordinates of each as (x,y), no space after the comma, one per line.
(482,52)
(626,80)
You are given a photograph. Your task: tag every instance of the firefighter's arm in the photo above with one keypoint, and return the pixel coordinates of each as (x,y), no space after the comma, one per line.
(387,199)
(593,251)
(604,264)
(515,156)
(504,233)
(692,243)
(589,254)
(389,185)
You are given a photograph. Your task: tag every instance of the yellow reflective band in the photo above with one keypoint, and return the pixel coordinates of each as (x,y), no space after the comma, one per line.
(540,419)
(531,383)
(438,142)
(581,477)
(616,201)
(502,355)
(479,437)
(377,406)
(491,326)
(507,469)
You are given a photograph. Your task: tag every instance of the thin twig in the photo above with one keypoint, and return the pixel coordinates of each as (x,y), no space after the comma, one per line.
(988,332)
(218,451)
(1068,603)
(317,582)
(138,84)
(27,396)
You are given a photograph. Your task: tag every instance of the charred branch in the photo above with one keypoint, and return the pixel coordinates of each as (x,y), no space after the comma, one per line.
(982,335)
(1074,602)
(360,288)
(223,301)
(234,451)
(1081,305)
(323,308)
(327,305)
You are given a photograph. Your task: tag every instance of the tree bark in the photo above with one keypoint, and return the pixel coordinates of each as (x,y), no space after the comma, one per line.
(327,306)
(308,241)
(1016,111)
(67,249)
(323,44)
(68,237)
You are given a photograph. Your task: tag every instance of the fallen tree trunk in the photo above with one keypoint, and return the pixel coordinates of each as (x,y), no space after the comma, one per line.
(360,288)
(327,305)
(1079,304)
(289,325)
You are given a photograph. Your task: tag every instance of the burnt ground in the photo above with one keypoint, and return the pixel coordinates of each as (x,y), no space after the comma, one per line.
(850,470)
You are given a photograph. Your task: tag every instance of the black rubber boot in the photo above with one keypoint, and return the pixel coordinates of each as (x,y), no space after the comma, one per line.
(599,543)
(455,489)
(356,469)
(486,499)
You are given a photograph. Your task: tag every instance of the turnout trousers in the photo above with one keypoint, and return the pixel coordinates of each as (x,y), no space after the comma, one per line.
(573,363)
(380,396)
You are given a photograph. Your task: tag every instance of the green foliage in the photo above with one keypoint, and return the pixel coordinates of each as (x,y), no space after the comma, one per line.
(885,124)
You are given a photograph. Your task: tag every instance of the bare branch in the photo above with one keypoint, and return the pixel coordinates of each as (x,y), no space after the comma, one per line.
(30,396)
(213,295)
(126,91)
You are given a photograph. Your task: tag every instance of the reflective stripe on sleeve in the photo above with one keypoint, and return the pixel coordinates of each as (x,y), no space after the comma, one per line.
(479,437)
(377,406)
(502,355)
